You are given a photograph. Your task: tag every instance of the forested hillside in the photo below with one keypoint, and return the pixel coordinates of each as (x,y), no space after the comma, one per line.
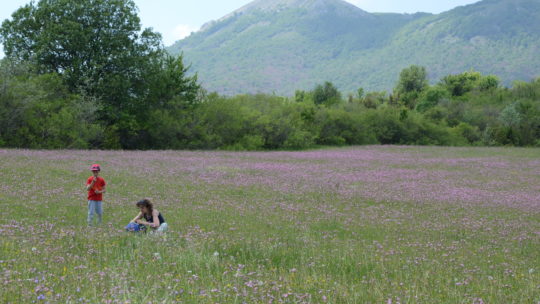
(283,45)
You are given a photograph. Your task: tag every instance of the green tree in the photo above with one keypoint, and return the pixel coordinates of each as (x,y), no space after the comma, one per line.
(38,111)
(326,94)
(489,82)
(91,43)
(99,48)
(510,116)
(360,93)
(462,83)
(412,81)
(431,97)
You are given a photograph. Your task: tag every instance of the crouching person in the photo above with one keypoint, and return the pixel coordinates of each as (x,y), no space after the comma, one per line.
(148,217)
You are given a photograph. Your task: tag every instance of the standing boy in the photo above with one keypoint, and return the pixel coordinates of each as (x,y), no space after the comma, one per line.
(95,185)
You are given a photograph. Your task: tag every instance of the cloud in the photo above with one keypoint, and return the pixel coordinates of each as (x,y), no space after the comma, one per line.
(181,31)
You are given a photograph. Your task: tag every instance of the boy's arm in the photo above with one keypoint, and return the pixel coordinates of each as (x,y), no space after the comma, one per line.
(102,191)
(90,185)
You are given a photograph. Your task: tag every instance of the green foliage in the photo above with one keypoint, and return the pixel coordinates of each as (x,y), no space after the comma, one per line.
(462,83)
(489,82)
(465,131)
(412,79)
(431,97)
(374,99)
(98,50)
(510,117)
(343,126)
(37,111)
(81,74)
(92,43)
(326,94)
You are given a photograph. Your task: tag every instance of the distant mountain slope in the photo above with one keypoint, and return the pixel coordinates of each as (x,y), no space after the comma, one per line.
(283,45)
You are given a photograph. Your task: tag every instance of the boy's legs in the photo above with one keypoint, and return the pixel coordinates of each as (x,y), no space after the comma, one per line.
(91,210)
(99,211)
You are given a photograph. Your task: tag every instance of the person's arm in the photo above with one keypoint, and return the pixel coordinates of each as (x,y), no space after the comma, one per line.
(102,191)
(135,220)
(155,220)
(91,185)
(155,217)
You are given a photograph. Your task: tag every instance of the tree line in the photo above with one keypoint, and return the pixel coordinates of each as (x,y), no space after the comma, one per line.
(83,74)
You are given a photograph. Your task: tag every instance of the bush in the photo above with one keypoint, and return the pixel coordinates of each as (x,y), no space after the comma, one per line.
(37,111)
(468,133)
(342,126)
(430,98)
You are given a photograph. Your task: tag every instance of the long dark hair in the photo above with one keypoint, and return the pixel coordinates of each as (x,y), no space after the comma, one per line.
(147,204)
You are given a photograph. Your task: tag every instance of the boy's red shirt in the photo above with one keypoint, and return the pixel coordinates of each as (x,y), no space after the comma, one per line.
(98,185)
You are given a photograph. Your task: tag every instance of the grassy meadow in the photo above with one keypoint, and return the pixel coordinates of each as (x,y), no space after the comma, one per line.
(354,225)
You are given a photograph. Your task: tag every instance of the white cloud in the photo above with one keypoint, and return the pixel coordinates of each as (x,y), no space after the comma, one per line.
(181,31)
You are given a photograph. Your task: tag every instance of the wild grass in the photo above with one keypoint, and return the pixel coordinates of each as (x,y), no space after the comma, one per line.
(357,225)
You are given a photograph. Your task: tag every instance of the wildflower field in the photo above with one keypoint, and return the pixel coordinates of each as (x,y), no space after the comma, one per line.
(354,225)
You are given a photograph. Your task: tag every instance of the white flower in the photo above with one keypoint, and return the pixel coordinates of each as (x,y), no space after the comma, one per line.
(216,253)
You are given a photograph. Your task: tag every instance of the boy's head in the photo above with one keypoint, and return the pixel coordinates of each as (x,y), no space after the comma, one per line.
(95,169)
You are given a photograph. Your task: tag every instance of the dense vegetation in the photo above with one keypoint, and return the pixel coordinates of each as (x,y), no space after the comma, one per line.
(82,73)
(293,44)
(68,82)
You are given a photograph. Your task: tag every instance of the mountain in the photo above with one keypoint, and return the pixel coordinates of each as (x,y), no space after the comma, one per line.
(283,45)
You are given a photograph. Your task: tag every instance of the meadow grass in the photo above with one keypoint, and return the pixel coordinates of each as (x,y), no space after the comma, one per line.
(354,225)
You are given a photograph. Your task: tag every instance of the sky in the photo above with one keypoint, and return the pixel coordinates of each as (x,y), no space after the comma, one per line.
(176,19)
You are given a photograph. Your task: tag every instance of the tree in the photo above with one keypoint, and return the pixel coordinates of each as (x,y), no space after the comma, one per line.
(430,98)
(412,81)
(462,83)
(326,94)
(98,48)
(489,82)
(510,116)
(360,92)
(91,43)
(37,111)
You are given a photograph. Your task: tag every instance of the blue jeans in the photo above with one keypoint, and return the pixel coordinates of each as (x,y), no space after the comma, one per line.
(94,207)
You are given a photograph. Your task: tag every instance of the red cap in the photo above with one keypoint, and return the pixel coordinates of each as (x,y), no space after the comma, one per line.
(95,167)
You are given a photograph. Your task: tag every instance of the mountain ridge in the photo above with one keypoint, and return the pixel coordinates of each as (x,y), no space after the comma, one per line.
(283,45)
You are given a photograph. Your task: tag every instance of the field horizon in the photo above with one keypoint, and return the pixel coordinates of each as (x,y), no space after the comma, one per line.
(370,224)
